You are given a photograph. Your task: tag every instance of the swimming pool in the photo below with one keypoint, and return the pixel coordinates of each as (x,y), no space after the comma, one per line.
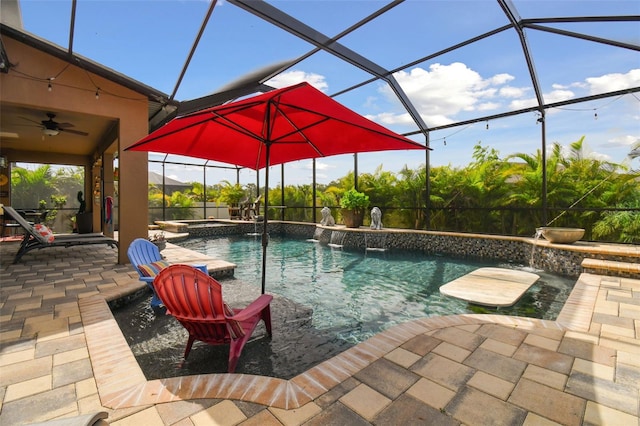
(356,294)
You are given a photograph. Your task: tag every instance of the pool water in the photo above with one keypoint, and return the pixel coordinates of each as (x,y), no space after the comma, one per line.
(357,294)
(325,301)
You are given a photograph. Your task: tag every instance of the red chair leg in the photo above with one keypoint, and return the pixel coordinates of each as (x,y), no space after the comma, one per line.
(189,344)
(266,317)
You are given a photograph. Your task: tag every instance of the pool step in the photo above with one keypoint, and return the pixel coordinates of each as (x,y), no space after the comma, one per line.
(611,268)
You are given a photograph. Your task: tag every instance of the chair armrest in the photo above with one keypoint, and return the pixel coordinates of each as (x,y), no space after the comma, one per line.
(253,309)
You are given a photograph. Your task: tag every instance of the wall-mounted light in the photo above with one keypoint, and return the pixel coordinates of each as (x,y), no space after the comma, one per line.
(3,161)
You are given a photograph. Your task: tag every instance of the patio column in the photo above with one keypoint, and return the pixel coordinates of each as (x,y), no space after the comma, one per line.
(133,203)
(108,186)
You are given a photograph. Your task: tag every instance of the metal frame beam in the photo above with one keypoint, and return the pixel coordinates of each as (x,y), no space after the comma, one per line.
(288,23)
(531,109)
(512,14)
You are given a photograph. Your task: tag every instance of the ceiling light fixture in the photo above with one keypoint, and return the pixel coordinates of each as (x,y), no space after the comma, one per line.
(50,132)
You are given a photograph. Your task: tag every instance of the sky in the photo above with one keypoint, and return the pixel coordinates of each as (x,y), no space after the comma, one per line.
(150,40)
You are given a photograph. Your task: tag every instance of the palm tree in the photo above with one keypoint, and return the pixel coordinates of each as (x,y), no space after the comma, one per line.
(28,187)
(412,194)
(620,226)
(527,187)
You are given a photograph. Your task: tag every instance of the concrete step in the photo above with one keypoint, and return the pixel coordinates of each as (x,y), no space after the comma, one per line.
(611,268)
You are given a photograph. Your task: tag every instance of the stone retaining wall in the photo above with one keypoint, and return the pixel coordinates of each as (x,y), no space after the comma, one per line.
(560,259)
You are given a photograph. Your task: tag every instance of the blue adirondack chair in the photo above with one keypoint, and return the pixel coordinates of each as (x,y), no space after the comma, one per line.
(146,258)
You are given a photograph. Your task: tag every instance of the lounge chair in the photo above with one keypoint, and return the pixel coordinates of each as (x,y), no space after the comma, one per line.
(33,239)
(195,300)
(146,258)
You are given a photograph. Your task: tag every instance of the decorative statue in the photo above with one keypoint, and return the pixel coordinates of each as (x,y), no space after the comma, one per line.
(83,204)
(327,218)
(376,218)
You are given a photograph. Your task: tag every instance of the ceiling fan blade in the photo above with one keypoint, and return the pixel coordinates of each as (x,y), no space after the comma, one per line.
(65,125)
(75,132)
(39,123)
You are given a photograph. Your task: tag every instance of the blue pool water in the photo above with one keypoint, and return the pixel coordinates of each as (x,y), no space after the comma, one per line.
(356,294)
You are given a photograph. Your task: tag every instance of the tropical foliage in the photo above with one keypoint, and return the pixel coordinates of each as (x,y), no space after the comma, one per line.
(47,190)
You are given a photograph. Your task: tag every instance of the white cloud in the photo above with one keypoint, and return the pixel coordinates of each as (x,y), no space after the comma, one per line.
(624,141)
(558,95)
(553,96)
(371,102)
(599,156)
(308,165)
(323,166)
(615,81)
(292,77)
(513,92)
(443,91)
(501,78)
(488,106)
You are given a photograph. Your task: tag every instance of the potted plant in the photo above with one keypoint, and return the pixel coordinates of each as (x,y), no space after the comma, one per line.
(232,195)
(159,240)
(84,219)
(353,205)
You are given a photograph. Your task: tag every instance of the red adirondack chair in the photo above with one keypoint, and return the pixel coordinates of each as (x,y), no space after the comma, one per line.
(195,300)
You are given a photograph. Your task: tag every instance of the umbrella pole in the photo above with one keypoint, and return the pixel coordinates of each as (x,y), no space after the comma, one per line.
(265,235)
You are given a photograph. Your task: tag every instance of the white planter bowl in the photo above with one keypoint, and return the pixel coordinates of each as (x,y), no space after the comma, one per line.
(561,235)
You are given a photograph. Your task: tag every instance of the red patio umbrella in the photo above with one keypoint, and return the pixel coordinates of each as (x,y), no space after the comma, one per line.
(293,123)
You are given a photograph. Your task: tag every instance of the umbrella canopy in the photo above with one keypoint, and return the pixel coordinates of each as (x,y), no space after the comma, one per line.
(293,123)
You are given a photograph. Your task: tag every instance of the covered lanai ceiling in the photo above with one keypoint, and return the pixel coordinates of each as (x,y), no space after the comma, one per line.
(447,69)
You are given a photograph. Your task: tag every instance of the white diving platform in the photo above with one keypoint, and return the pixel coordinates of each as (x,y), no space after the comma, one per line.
(490,286)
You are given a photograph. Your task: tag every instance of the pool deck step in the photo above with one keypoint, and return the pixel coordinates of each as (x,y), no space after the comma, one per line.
(611,268)
(490,286)
(217,268)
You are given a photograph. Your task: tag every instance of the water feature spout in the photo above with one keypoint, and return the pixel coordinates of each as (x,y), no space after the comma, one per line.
(536,237)
(375,241)
(255,232)
(337,239)
(317,234)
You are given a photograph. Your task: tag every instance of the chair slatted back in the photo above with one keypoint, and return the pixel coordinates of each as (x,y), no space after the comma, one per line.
(195,300)
(142,252)
(26,225)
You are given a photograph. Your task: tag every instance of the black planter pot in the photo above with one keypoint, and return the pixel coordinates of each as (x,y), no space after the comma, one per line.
(84,222)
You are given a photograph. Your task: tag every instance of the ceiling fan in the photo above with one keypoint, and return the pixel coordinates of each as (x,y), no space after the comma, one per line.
(52,128)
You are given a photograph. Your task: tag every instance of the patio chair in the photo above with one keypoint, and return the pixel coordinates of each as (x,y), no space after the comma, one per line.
(195,300)
(42,237)
(146,258)
(253,209)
